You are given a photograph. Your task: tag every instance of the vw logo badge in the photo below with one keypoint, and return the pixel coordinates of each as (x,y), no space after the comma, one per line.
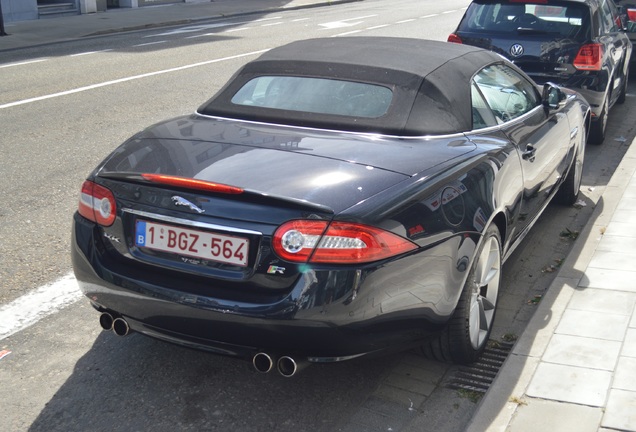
(516,50)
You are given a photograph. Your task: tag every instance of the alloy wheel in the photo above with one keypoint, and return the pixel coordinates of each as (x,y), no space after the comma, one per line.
(485,290)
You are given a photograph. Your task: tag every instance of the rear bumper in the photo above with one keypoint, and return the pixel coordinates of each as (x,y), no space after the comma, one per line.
(325,317)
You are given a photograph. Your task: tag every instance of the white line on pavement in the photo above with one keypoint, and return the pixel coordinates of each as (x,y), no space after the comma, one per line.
(150,43)
(91,52)
(32,307)
(131,78)
(346,33)
(23,63)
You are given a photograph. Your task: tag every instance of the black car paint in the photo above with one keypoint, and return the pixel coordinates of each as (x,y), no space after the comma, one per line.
(331,311)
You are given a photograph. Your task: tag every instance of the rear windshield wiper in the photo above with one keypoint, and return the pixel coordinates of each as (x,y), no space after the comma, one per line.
(525,30)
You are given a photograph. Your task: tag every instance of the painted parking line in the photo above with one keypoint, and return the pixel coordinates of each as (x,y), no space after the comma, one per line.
(130,78)
(23,63)
(40,303)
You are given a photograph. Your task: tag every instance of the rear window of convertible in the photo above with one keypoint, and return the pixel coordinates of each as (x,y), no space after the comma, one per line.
(315,95)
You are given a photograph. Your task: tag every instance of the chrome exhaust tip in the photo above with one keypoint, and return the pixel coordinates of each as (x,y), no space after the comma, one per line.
(120,327)
(288,367)
(106,321)
(262,362)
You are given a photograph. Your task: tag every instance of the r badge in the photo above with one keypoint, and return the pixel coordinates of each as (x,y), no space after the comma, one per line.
(275,270)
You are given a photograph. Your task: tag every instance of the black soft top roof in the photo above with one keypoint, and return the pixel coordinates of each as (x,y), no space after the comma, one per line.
(430,81)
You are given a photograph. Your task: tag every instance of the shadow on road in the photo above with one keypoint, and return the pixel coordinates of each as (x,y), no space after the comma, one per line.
(137,383)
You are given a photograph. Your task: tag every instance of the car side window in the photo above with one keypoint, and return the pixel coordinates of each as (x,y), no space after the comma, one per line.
(482,114)
(508,94)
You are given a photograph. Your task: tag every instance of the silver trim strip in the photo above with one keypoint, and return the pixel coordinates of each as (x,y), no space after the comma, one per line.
(369,135)
(194,224)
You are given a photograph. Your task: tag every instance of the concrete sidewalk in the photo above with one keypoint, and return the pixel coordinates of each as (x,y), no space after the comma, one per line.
(40,32)
(574,367)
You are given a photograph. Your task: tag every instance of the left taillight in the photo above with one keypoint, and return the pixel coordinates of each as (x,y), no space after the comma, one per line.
(453,38)
(336,242)
(97,204)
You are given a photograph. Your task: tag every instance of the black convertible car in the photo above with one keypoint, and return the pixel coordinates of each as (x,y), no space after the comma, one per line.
(338,197)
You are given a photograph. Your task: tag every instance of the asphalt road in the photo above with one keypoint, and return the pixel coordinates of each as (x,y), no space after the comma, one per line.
(63,108)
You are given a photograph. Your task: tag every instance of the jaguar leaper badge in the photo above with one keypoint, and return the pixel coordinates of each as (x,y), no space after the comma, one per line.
(179,201)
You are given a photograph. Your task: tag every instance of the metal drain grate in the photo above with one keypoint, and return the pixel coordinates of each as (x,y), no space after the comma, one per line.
(479,376)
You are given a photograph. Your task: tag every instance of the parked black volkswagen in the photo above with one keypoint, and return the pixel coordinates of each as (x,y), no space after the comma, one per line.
(628,10)
(581,44)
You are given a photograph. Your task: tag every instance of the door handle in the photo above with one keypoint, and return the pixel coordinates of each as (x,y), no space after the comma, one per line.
(530,153)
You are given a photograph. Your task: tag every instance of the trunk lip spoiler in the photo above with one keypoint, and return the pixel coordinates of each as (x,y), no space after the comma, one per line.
(247,193)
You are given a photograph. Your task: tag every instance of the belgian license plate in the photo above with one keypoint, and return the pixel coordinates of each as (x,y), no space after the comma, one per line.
(194,243)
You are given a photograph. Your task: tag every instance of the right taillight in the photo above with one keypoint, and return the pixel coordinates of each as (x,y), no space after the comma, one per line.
(590,57)
(631,14)
(453,38)
(336,242)
(97,204)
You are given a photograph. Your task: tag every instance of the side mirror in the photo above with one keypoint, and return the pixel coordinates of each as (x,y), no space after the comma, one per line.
(553,96)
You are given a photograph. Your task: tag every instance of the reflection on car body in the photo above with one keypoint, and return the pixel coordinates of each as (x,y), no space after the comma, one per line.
(579,44)
(315,229)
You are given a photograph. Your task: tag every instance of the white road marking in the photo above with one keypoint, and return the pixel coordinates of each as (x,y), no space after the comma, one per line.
(272,24)
(131,78)
(405,21)
(90,52)
(201,27)
(191,29)
(378,26)
(268,19)
(429,16)
(23,63)
(344,23)
(150,43)
(347,33)
(32,307)
(235,30)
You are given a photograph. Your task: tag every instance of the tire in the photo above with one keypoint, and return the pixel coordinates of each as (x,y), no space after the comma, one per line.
(598,127)
(467,332)
(568,192)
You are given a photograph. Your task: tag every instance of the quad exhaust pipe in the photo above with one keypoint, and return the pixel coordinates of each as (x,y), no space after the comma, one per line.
(118,325)
(263,362)
(287,366)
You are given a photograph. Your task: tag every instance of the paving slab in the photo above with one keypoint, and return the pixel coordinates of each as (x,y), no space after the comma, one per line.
(570,384)
(542,415)
(606,326)
(620,413)
(604,301)
(583,352)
